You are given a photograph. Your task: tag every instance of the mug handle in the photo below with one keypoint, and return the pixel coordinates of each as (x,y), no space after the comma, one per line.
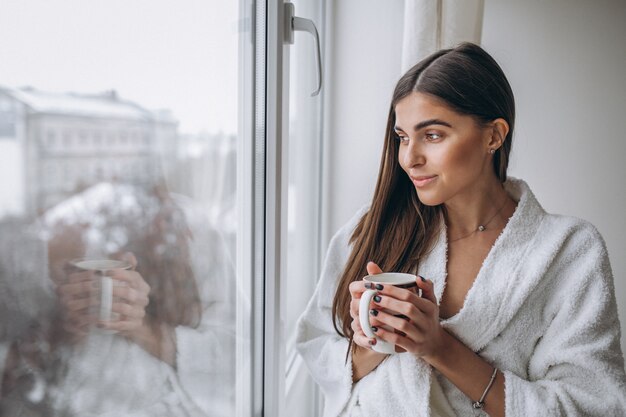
(106,298)
(364,312)
(364,319)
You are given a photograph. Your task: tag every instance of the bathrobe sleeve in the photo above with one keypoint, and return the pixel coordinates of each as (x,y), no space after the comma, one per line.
(577,367)
(322,349)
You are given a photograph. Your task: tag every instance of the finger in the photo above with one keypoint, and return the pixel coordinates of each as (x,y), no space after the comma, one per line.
(356,326)
(131,295)
(128,311)
(130,258)
(359,337)
(354,308)
(84,289)
(401,342)
(357,329)
(77,305)
(356,288)
(120,326)
(428,289)
(132,278)
(363,341)
(373,268)
(409,296)
(415,308)
(405,327)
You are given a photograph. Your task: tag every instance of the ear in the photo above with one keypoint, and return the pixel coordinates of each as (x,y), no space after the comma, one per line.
(499,130)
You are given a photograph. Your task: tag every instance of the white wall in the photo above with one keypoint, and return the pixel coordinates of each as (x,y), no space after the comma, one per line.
(566,62)
(363,65)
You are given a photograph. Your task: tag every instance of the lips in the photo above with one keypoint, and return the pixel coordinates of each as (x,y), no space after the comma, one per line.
(423,181)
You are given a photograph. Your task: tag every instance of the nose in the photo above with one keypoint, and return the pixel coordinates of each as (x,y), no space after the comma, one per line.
(413,155)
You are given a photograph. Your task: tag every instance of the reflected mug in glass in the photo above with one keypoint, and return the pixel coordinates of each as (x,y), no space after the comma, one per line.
(396,279)
(105,282)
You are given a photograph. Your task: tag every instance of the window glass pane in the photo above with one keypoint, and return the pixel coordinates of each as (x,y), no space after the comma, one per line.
(118,213)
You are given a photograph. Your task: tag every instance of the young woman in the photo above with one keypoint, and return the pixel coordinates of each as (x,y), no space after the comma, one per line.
(517,315)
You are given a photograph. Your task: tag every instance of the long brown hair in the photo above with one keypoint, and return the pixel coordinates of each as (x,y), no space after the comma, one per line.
(398,229)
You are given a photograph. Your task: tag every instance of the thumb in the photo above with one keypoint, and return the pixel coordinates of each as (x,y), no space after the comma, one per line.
(130,258)
(373,269)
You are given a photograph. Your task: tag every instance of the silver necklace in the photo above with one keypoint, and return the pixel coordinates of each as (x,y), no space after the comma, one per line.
(481,227)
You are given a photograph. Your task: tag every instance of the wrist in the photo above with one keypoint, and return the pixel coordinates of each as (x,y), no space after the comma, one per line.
(365,361)
(443,350)
(147,331)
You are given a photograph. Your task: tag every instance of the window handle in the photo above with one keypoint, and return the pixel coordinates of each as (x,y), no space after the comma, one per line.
(294,23)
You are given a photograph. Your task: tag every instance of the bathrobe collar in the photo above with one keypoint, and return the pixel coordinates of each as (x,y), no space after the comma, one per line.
(501,286)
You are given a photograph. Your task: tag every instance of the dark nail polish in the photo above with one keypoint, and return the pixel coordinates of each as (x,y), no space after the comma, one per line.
(374,312)
(374,329)
(423,279)
(379,287)
(372,342)
(377,298)
(368,285)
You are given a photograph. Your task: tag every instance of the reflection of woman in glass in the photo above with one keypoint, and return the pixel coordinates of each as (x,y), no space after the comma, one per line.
(168,312)
(517,314)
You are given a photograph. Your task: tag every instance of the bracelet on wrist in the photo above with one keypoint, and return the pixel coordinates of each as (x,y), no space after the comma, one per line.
(481,403)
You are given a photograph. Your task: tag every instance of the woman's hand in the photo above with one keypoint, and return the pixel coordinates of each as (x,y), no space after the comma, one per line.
(79,297)
(357,288)
(364,360)
(129,300)
(76,296)
(420,332)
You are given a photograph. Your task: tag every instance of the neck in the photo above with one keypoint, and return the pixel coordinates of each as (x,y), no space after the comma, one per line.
(485,203)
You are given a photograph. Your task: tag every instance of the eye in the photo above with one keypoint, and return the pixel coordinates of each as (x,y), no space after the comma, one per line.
(402,139)
(432,136)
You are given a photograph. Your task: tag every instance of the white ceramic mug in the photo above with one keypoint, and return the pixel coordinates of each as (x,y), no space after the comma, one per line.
(397,279)
(105,282)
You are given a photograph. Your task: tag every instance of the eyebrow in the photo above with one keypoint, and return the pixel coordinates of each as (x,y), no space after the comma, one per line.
(426,123)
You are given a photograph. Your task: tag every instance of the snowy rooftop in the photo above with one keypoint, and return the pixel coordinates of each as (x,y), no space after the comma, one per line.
(105,105)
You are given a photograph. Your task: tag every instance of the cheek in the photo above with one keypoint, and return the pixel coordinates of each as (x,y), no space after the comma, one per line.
(461,160)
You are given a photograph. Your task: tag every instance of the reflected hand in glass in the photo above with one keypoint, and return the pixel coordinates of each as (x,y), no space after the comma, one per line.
(108,294)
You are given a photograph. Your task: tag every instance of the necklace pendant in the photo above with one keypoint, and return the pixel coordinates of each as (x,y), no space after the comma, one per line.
(481,228)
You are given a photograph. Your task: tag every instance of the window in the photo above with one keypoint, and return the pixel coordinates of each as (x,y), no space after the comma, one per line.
(118,201)
(7,117)
(144,274)
(67,140)
(51,139)
(97,139)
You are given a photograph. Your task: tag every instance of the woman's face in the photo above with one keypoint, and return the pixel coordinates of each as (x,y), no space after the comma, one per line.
(446,154)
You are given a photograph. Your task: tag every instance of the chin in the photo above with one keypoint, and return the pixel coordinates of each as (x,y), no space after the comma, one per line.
(428,199)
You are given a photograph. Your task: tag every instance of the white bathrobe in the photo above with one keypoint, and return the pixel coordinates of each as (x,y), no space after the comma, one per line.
(542,309)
